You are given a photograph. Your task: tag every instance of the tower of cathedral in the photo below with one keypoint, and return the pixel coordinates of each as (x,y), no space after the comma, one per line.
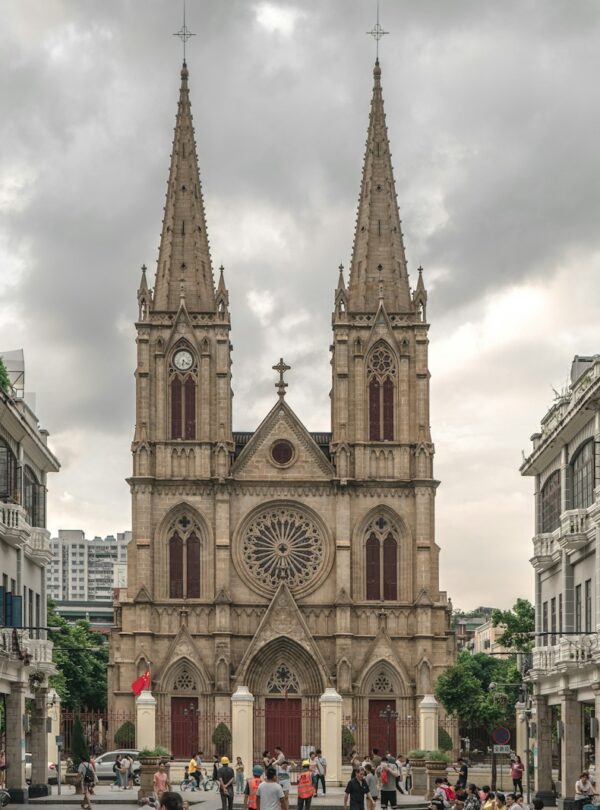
(281,560)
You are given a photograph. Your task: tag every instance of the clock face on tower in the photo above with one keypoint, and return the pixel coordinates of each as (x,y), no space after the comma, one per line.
(183,360)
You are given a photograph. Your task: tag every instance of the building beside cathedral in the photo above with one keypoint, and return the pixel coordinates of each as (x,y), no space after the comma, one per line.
(281,560)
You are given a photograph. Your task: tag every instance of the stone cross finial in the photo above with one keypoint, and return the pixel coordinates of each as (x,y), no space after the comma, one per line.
(281,368)
(377,33)
(184,33)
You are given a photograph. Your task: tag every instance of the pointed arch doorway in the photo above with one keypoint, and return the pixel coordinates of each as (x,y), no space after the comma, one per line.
(283,712)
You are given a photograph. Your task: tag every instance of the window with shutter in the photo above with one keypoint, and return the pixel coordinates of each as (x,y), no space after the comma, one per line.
(390,568)
(193,567)
(190,408)
(176,403)
(372,568)
(176,567)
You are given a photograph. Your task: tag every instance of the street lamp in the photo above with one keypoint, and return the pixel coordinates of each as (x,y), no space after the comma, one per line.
(388,714)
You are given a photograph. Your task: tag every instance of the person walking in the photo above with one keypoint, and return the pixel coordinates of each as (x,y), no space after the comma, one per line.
(88,780)
(251,788)
(407,774)
(117,772)
(306,788)
(239,775)
(371,781)
(463,773)
(160,781)
(284,777)
(388,773)
(226,778)
(584,790)
(355,792)
(516,774)
(125,771)
(269,795)
(321,770)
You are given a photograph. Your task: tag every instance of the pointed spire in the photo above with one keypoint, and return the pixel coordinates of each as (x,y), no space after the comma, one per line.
(420,296)
(341,283)
(143,288)
(378,268)
(184,255)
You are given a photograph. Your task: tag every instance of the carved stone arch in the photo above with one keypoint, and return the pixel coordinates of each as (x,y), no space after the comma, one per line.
(344,676)
(301,663)
(184,512)
(222,675)
(424,677)
(141,664)
(404,538)
(184,676)
(204,346)
(383,678)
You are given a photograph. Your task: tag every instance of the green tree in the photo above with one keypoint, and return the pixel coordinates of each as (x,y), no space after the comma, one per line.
(518,624)
(464,689)
(81,657)
(125,735)
(79,747)
(222,739)
(4,378)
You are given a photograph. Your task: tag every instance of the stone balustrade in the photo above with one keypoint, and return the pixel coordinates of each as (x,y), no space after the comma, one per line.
(545,551)
(39,651)
(573,529)
(569,651)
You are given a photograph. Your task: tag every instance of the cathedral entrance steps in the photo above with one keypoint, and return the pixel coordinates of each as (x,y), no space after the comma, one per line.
(334,800)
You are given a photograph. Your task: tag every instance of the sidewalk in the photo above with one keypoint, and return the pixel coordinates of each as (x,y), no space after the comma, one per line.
(109,799)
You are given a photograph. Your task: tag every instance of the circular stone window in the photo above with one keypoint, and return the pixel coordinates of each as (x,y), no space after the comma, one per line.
(283,543)
(282,452)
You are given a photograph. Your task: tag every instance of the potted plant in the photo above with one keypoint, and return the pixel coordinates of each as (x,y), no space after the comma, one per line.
(436,760)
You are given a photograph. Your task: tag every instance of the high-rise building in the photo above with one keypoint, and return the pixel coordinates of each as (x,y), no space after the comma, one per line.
(84,570)
(280,560)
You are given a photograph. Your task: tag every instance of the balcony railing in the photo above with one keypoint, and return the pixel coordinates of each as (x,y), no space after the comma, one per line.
(569,651)
(14,526)
(573,529)
(545,551)
(16,644)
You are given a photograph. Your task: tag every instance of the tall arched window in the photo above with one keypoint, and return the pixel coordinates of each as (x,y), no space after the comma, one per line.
(550,497)
(184,546)
(381,376)
(8,473)
(583,476)
(381,560)
(183,383)
(34,498)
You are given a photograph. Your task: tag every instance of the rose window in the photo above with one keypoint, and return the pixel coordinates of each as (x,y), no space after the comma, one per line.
(283,682)
(184,682)
(282,544)
(381,684)
(381,362)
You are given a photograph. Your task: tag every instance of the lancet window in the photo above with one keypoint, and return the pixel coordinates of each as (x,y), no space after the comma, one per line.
(381,559)
(381,376)
(183,376)
(184,558)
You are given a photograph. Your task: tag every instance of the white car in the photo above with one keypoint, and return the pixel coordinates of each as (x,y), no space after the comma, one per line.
(52,775)
(105,762)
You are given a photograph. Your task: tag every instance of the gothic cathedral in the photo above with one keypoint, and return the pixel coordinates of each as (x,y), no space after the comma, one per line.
(281,560)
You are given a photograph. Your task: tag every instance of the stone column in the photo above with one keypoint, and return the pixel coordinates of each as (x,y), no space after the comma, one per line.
(331,706)
(428,723)
(54,725)
(145,720)
(242,726)
(571,744)
(543,747)
(39,744)
(15,743)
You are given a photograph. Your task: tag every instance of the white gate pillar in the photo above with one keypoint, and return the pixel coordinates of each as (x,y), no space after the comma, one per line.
(242,727)
(331,734)
(145,720)
(428,723)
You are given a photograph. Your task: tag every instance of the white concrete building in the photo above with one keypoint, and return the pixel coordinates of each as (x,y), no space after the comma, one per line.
(565,462)
(86,570)
(25,652)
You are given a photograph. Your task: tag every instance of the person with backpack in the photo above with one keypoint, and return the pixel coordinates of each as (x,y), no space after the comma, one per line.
(88,780)
(388,773)
(439,799)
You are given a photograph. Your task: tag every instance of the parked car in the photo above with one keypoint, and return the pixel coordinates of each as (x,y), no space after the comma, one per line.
(105,762)
(52,776)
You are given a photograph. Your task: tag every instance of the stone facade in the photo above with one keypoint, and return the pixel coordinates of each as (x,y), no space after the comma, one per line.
(284,561)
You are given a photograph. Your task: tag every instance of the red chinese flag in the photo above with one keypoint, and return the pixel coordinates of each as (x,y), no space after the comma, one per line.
(141,683)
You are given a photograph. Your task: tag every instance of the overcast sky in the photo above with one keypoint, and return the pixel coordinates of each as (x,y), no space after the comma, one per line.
(493,122)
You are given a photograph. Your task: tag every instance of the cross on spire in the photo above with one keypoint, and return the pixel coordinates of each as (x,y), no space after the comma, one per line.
(377,33)
(184,33)
(281,368)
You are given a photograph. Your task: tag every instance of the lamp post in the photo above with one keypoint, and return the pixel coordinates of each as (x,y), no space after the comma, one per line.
(388,714)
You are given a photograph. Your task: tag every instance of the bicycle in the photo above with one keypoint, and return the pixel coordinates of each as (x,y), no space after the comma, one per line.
(4,797)
(188,782)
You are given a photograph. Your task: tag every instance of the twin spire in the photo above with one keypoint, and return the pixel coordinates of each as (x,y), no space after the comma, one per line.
(378,271)
(184,264)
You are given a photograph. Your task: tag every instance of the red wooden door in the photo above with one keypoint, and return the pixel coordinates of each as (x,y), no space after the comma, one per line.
(184,727)
(283,725)
(379,735)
